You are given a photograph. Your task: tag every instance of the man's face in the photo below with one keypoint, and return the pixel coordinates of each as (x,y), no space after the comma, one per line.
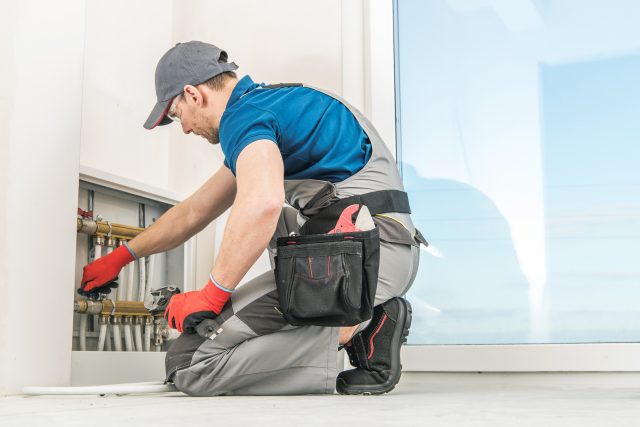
(196,112)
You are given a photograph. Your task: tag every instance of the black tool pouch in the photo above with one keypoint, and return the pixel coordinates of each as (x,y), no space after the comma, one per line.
(328,279)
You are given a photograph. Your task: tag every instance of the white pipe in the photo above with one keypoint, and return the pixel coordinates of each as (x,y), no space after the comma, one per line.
(131,388)
(143,279)
(147,337)
(131,270)
(102,337)
(82,331)
(108,337)
(117,339)
(137,334)
(128,340)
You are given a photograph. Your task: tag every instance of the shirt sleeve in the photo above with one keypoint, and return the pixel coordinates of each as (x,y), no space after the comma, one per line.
(241,128)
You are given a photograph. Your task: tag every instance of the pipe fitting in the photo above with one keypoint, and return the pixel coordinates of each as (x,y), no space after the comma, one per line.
(157,331)
(105,228)
(98,240)
(109,307)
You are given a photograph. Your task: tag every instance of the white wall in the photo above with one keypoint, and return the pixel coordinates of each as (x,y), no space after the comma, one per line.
(7,95)
(123,43)
(42,59)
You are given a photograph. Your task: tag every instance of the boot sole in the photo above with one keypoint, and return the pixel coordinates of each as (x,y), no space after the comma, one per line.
(400,335)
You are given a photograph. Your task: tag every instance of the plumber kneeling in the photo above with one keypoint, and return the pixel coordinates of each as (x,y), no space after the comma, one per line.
(308,178)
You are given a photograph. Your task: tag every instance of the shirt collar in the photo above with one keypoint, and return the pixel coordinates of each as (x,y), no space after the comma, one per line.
(244,86)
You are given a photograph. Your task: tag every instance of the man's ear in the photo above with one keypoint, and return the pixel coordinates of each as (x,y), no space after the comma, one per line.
(193,95)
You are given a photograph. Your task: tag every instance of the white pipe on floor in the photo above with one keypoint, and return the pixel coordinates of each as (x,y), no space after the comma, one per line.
(131,388)
(128,339)
(137,334)
(142,282)
(102,337)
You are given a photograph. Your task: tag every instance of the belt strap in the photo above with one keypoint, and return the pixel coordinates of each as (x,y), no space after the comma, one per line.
(378,202)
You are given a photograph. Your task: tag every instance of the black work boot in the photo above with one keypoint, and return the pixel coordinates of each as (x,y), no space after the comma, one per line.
(375,352)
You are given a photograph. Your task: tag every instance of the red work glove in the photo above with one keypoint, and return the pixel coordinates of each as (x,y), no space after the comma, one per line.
(103,271)
(185,311)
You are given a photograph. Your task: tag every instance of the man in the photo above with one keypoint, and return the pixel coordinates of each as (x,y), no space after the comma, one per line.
(281,143)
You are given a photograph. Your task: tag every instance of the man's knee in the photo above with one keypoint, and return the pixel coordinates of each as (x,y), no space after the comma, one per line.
(181,353)
(190,366)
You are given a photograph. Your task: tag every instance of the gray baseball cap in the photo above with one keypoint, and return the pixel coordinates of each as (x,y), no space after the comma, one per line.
(190,63)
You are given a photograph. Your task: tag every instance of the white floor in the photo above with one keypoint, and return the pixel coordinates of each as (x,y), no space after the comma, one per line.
(424,399)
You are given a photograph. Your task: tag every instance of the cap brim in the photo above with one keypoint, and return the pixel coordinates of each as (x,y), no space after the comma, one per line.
(158,116)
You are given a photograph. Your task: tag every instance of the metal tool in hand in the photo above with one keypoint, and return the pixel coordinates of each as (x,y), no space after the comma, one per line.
(160,299)
(208,328)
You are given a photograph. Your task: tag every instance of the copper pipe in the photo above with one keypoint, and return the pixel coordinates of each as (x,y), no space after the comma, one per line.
(106,308)
(104,228)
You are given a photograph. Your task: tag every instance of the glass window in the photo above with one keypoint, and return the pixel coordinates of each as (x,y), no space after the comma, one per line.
(519,145)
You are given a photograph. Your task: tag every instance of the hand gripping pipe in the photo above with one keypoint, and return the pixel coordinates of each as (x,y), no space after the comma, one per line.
(102,390)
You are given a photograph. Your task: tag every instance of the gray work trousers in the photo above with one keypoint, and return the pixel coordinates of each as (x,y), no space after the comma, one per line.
(257,352)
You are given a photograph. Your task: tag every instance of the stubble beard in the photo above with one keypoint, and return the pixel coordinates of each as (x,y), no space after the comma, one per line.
(212,137)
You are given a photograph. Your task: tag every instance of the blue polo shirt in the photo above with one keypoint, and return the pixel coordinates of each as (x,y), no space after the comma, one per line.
(318,136)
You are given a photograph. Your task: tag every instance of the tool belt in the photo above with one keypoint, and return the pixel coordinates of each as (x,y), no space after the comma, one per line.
(331,279)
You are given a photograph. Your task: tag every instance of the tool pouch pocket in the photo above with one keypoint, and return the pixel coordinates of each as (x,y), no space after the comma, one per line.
(328,279)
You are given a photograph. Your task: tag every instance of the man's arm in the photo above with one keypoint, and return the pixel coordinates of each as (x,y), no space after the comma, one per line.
(255,212)
(188,217)
(253,219)
(170,230)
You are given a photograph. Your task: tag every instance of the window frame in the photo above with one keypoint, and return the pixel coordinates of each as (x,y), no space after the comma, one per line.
(369,82)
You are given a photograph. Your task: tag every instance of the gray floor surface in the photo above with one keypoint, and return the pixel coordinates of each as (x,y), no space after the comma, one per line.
(421,399)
